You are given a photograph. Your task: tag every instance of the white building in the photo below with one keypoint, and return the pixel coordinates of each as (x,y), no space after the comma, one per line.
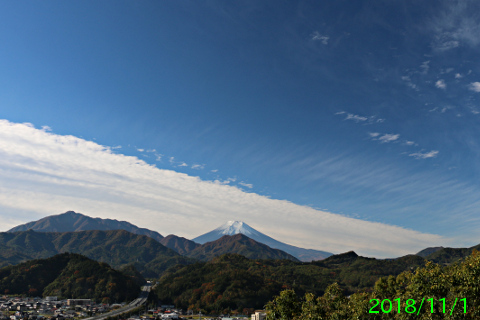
(259,315)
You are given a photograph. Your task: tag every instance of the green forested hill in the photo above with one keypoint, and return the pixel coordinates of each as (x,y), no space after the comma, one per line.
(234,282)
(117,248)
(68,275)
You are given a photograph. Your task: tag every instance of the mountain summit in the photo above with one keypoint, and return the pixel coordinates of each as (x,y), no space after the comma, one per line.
(71,221)
(229,229)
(235,227)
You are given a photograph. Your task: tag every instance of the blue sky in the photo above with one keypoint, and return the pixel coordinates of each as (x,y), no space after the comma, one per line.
(363,109)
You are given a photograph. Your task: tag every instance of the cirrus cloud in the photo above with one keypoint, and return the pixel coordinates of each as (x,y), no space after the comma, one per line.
(424,155)
(388,137)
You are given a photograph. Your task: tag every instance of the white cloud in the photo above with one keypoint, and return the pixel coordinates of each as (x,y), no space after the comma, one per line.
(409,143)
(388,137)
(198,166)
(214,170)
(442,109)
(42,173)
(444,44)
(474,110)
(458,76)
(355,118)
(409,82)
(424,155)
(425,67)
(46,128)
(373,134)
(140,150)
(158,157)
(474,86)
(248,185)
(316,36)
(183,164)
(441,84)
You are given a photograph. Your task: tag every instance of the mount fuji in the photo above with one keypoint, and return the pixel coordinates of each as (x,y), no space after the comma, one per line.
(235,227)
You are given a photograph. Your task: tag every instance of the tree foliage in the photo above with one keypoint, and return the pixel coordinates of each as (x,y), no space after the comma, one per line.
(448,292)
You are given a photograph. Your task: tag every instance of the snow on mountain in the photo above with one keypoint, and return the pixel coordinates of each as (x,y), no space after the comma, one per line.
(233,227)
(236,227)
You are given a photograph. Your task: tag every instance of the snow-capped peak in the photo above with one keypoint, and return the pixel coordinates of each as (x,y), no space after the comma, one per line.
(234,227)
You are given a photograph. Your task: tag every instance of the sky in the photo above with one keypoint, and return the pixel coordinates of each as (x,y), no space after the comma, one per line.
(331,125)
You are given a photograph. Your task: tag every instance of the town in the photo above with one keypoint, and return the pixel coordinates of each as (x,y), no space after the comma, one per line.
(51,308)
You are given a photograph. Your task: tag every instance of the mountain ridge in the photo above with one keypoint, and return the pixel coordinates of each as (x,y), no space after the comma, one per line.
(72,221)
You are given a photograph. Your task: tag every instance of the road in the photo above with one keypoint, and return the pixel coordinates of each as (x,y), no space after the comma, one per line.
(142,298)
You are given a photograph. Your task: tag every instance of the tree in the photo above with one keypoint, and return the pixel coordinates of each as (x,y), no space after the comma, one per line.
(284,306)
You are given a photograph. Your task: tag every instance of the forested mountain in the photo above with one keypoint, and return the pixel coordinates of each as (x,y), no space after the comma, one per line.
(117,248)
(71,221)
(239,244)
(450,255)
(234,282)
(69,275)
(179,244)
